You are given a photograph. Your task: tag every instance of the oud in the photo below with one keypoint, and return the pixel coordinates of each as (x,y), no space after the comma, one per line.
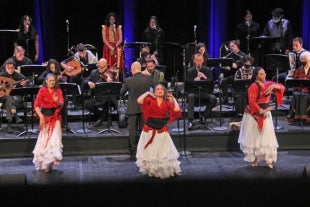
(7,84)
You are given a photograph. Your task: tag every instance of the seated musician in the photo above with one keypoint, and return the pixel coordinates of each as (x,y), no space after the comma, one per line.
(151,70)
(14,79)
(300,104)
(73,66)
(229,72)
(102,74)
(52,66)
(18,58)
(146,55)
(196,73)
(240,94)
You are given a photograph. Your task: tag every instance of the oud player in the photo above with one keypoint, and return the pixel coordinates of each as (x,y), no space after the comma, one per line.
(8,80)
(74,65)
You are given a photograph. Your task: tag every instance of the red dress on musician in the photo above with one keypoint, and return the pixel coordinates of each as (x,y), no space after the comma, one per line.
(112,48)
(49,143)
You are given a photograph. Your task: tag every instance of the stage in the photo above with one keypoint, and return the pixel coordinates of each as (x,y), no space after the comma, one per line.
(97,169)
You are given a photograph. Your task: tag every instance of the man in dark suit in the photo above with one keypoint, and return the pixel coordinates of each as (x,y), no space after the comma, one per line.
(198,72)
(135,85)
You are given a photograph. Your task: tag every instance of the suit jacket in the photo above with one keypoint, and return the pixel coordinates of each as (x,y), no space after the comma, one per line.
(135,85)
(192,73)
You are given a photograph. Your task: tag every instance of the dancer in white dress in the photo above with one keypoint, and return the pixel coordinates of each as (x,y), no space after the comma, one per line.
(157,155)
(47,106)
(257,137)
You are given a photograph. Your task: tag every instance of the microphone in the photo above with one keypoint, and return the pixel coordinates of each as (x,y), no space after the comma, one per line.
(67,23)
(154,27)
(114,28)
(195,28)
(27,28)
(247,23)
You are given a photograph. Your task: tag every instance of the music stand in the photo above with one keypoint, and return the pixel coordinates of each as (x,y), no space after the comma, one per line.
(68,89)
(205,86)
(24,91)
(241,86)
(108,90)
(88,68)
(291,82)
(83,130)
(174,88)
(175,47)
(219,62)
(7,38)
(32,70)
(263,40)
(278,61)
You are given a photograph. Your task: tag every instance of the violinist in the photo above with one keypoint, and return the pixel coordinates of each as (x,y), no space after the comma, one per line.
(99,106)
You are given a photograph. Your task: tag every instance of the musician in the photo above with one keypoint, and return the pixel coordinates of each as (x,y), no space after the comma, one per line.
(101,74)
(196,73)
(28,38)
(240,94)
(112,41)
(151,70)
(18,58)
(229,72)
(294,59)
(74,65)
(156,36)
(146,55)
(280,27)
(10,102)
(245,30)
(201,48)
(300,104)
(52,66)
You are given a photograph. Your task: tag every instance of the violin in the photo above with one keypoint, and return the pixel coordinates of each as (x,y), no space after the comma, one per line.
(110,75)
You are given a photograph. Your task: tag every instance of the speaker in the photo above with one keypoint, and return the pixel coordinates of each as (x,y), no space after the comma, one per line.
(306,172)
(13,179)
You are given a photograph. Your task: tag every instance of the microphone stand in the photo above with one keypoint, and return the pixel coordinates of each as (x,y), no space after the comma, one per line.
(195,35)
(276,106)
(184,152)
(248,38)
(27,41)
(69,52)
(220,128)
(175,89)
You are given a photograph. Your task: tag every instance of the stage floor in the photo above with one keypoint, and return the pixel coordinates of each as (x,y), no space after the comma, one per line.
(208,178)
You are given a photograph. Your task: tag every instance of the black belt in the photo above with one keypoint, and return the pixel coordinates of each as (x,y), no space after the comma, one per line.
(264,105)
(48,111)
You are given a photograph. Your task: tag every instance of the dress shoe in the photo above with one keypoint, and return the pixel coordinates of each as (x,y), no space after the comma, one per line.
(18,120)
(10,129)
(190,126)
(98,123)
(224,100)
(203,120)
(291,115)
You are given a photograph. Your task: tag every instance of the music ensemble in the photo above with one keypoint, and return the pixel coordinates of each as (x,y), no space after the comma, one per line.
(100,83)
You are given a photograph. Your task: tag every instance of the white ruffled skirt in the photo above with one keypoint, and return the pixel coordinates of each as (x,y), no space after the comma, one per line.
(255,144)
(46,151)
(160,158)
